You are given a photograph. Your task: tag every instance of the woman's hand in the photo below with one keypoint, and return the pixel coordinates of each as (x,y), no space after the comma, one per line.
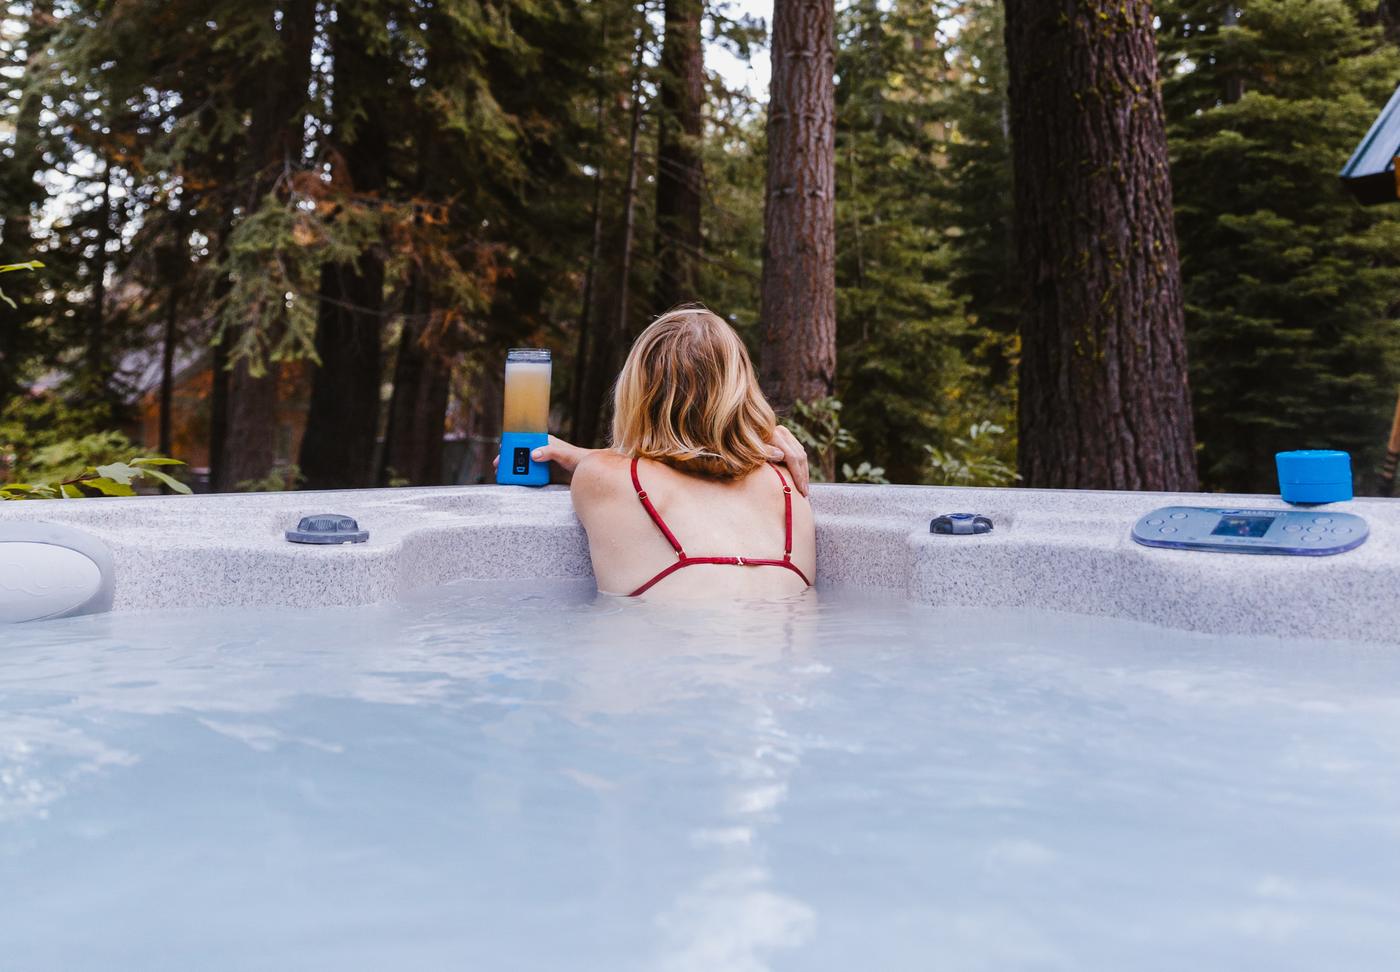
(787,450)
(563,459)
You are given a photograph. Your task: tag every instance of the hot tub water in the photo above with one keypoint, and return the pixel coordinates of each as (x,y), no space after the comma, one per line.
(581,783)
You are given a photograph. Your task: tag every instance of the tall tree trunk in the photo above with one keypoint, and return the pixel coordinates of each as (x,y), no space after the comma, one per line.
(276,138)
(1388,16)
(422,386)
(219,481)
(417,419)
(21,193)
(1234,84)
(580,431)
(20,171)
(219,368)
(250,451)
(175,268)
(583,348)
(95,361)
(610,339)
(680,176)
(343,420)
(798,360)
(1104,402)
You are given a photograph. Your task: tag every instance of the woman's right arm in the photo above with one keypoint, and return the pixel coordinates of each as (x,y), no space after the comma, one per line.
(563,457)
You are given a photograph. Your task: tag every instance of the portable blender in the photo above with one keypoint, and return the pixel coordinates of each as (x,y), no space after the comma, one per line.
(525,425)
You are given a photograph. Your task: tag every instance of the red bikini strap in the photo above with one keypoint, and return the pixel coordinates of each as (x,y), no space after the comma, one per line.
(787,514)
(655,516)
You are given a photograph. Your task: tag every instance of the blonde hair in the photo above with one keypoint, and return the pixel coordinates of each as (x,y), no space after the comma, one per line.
(687,396)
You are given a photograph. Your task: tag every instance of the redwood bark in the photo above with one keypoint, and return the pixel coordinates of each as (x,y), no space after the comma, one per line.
(422,386)
(798,359)
(175,267)
(95,354)
(1104,402)
(276,136)
(342,421)
(250,449)
(680,173)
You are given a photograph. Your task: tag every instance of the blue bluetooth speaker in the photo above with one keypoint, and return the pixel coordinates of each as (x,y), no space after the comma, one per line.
(1314,476)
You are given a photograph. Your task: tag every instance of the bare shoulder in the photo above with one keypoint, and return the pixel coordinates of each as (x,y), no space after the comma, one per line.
(601,474)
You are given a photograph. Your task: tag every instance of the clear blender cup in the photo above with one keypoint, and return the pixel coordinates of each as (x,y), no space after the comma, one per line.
(525,423)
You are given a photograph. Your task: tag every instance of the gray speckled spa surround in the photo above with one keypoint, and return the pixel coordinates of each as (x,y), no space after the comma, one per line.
(1061,550)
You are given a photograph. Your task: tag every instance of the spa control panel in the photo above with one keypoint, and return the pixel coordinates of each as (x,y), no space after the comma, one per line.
(1308,533)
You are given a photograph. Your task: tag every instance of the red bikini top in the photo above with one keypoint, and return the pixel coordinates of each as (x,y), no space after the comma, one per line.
(683,561)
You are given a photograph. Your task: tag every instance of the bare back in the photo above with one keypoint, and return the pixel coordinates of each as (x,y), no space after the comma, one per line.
(737,520)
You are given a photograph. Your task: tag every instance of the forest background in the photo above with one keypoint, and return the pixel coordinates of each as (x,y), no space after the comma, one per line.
(291,240)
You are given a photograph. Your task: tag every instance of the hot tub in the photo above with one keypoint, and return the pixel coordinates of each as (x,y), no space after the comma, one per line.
(1045,747)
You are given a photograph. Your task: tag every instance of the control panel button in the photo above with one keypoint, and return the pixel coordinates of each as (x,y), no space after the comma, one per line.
(1155,521)
(1342,530)
(1178,516)
(1322,519)
(1167,530)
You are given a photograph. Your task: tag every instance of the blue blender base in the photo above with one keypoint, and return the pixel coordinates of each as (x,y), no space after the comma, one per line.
(516,467)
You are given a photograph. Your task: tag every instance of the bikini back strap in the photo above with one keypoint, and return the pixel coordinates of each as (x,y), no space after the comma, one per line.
(655,516)
(787,515)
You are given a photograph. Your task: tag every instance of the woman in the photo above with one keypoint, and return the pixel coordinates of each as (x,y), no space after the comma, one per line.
(686,504)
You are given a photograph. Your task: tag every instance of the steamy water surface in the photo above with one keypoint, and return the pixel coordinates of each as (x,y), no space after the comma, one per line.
(524,777)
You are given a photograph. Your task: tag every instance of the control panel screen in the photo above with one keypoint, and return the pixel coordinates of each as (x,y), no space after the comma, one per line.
(1242,526)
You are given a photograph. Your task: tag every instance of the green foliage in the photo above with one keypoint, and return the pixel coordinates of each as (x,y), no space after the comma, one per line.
(898,323)
(64,458)
(44,436)
(971,460)
(863,473)
(11,268)
(282,479)
(111,479)
(926,306)
(817,425)
(508,118)
(1290,285)
(977,194)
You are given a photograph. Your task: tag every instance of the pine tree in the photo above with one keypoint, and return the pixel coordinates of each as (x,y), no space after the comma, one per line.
(342,422)
(1290,285)
(978,192)
(899,325)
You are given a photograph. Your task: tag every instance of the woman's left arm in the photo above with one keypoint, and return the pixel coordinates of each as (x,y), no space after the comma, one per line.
(788,451)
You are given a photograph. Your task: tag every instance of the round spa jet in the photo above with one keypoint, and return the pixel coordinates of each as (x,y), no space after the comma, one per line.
(51,571)
(961,524)
(327,528)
